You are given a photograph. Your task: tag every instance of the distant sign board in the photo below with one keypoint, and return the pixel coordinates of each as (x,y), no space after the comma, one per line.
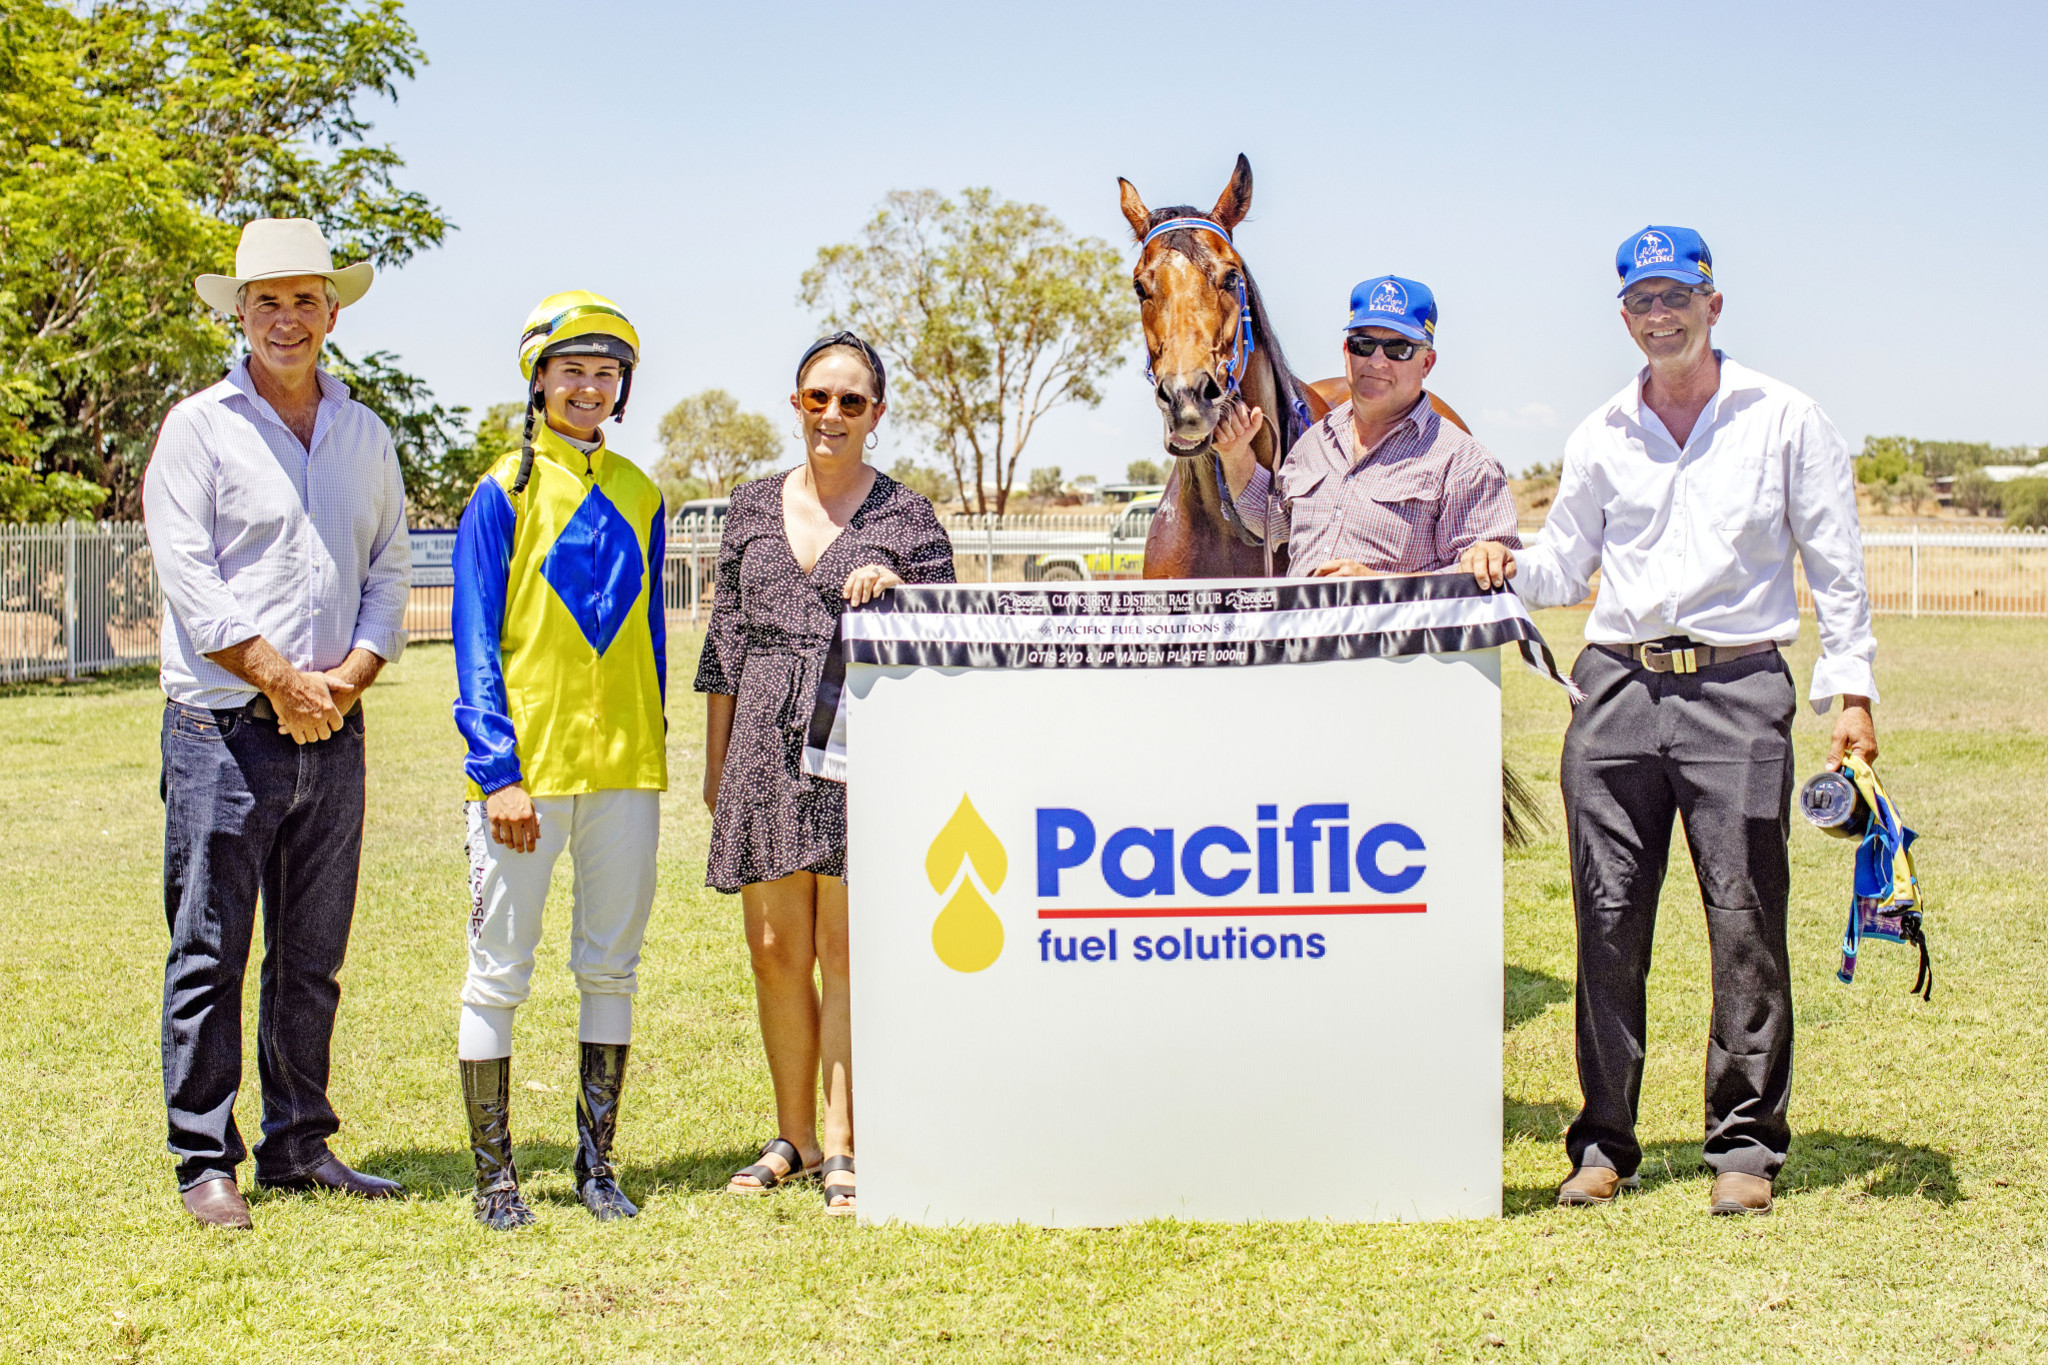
(433,559)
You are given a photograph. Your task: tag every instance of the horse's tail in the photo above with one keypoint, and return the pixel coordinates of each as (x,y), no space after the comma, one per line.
(1520,817)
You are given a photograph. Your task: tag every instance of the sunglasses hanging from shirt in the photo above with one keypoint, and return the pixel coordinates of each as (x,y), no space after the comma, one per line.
(1396,348)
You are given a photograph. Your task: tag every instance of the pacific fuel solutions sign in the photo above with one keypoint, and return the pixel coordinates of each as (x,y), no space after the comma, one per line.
(1150,940)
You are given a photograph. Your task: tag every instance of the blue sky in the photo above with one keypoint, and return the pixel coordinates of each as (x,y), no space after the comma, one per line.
(1870,178)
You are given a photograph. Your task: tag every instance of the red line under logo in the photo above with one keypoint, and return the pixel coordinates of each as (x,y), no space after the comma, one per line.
(1234,911)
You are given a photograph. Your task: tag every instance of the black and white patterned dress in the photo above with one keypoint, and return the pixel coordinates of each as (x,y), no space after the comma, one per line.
(771,624)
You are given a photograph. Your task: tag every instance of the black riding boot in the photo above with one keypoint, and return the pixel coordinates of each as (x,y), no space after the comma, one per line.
(487,1095)
(597,1119)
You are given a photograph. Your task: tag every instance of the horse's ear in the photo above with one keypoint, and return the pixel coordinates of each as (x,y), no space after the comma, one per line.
(1236,200)
(1135,212)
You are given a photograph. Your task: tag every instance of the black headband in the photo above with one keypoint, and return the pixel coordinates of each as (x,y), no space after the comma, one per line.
(867,353)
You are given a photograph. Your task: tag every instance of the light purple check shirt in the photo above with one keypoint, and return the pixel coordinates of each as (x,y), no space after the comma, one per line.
(1412,504)
(255,535)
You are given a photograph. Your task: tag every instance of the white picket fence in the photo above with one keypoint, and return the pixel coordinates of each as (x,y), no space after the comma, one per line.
(82,598)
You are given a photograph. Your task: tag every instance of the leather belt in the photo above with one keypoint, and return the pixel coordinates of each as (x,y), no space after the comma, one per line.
(1679,655)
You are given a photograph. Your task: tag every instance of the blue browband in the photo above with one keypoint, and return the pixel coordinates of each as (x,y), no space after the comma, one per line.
(1195,224)
(1233,368)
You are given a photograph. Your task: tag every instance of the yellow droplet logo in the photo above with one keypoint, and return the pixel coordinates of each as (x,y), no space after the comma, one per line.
(967,935)
(967,836)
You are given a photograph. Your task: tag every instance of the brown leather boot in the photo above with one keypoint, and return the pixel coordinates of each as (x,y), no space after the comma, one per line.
(1738,1193)
(218,1203)
(1595,1185)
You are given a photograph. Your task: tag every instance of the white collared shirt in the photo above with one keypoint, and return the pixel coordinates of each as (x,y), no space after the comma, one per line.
(254,534)
(1697,539)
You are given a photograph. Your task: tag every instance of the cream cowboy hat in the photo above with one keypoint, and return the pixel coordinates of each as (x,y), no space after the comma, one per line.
(276,249)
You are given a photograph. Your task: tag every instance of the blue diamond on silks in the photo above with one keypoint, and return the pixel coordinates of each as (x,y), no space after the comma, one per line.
(595,568)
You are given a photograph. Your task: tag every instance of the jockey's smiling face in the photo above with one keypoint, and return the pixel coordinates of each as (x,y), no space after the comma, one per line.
(580,391)
(1383,389)
(1670,335)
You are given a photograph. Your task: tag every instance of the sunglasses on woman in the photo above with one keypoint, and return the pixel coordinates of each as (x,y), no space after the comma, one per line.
(1677,299)
(850,404)
(1363,346)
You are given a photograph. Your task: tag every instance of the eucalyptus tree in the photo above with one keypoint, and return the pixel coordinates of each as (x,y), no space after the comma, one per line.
(989,313)
(135,137)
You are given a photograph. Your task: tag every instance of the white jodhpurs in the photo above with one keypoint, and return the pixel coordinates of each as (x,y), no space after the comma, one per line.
(611,838)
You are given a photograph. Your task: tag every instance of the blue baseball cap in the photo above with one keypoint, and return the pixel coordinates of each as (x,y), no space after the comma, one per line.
(1663,253)
(1406,306)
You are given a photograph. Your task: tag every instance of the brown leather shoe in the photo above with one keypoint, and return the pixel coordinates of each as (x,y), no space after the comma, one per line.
(218,1204)
(1735,1192)
(332,1175)
(1595,1185)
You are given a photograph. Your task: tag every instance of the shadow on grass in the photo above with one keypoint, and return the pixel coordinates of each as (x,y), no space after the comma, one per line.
(1820,1160)
(431,1172)
(1526,993)
(113,681)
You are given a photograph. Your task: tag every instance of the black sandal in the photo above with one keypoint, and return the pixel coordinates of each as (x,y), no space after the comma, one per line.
(832,1165)
(766,1174)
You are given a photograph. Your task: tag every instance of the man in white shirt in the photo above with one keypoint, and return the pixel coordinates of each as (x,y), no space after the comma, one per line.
(276,517)
(1689,491)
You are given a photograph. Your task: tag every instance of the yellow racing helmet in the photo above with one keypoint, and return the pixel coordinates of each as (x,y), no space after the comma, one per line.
(573,322)
(576,322)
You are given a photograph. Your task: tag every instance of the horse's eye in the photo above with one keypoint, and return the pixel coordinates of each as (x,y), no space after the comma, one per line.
(1230,279)
(1139,289)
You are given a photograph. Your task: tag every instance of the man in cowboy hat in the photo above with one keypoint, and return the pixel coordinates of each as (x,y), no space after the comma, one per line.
(277,521)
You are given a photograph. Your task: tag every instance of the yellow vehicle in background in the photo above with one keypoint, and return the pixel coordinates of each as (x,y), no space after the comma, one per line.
(1122,557)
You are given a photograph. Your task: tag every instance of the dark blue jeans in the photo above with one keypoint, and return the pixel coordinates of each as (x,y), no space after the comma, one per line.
(249,814)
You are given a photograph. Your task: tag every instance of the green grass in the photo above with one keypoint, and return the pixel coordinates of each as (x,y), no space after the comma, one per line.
(1911,1226)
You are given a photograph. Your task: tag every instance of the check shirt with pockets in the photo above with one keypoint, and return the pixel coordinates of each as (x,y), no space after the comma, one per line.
(1412,504)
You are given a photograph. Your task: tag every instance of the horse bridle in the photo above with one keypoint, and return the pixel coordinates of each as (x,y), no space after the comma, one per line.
(1234,367)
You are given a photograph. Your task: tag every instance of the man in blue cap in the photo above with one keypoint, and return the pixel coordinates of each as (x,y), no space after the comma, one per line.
(1689,492)
(1384,484)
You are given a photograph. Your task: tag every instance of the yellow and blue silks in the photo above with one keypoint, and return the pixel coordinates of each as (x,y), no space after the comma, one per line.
(561,644)
(1885,902)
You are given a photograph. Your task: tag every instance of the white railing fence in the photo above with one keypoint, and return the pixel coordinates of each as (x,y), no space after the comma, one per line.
(76,598)
(81,598)
(1953,573)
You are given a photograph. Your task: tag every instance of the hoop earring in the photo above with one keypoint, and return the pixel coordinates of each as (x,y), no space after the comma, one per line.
(798,432)
(874,439)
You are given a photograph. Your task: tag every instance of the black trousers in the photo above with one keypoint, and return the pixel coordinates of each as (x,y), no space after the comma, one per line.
(250,815)
(1713,748)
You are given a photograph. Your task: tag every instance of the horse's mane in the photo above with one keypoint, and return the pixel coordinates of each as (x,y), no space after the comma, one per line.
(1292,419)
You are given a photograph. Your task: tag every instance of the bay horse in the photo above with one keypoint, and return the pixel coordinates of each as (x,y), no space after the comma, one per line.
(1209,346)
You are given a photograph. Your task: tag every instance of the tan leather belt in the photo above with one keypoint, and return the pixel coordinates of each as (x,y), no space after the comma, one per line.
(1676,656)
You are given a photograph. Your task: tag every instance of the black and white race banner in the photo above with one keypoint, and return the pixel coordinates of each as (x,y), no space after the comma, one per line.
(1206,623)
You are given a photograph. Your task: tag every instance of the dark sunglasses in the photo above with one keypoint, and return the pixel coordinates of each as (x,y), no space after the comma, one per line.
(850,404)
(1677,299)
(1363,346)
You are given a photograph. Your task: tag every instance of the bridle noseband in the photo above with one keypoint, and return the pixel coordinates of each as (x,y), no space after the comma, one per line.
(1234,367)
